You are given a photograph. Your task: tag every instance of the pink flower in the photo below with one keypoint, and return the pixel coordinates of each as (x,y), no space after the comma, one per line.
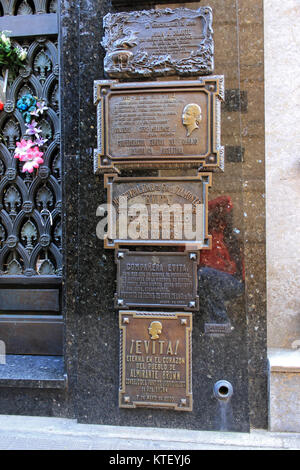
(33,159)
(22,149)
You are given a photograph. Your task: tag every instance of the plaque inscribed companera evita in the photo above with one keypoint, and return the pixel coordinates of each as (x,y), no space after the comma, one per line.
(159,124)
(160,211)
(162,42)
(155,360)
(157,279)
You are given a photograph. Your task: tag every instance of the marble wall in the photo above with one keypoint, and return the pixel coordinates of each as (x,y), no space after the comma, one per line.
(282,98)
(91,322)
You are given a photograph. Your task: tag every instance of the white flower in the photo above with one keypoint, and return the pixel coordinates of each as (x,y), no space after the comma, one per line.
(5,39)
(22,53)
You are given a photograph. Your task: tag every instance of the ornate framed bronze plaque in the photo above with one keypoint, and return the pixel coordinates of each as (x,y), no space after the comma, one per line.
(160,211)
(161,42)
(159,124)
(157,280)
(155,360)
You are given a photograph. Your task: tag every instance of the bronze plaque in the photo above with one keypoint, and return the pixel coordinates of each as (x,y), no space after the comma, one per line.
(159,124)
(155,360)
(156,279)
(161,42)
(161,211)
(217,328)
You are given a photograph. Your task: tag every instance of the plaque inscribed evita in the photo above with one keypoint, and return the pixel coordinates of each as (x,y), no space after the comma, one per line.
(157,279)
(159,211)
(162,42)
(155,360)
(159,124)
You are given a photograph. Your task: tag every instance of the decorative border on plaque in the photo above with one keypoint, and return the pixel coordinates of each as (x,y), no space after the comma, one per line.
(175,273)
(125,144)
(161,42)
(141,186)
(163,375)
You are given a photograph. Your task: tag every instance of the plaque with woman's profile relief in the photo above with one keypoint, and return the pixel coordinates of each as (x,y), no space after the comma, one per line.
(155,360)
(159,124)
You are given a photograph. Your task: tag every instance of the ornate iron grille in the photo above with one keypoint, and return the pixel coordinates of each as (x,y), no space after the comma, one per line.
(30,229)
(27,7)
(30,203)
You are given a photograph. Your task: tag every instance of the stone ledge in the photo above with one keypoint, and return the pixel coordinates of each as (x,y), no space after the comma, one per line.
(284,386)
(284,360)
(33,372)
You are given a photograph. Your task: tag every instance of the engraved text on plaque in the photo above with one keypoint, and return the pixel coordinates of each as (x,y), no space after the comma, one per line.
(155,360)
(157,279)
(160,42)
(159,124)
(161,211)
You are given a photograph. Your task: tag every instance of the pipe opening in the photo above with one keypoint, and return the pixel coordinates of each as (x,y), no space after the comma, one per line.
(223,390)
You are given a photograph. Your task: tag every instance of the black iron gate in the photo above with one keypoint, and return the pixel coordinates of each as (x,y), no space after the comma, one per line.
(30,203)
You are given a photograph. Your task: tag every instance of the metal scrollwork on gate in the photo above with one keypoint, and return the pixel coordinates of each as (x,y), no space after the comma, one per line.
(27,7)
(30,203)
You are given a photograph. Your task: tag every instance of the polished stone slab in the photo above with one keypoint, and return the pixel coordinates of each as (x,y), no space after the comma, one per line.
(33,372)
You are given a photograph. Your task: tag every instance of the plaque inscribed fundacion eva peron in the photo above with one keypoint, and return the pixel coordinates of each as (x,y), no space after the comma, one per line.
(155,360)
(159,124)
(162,42)
(159,211)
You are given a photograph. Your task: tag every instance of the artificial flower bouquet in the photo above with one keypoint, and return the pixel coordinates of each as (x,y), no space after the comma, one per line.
(11,57)
(28,151)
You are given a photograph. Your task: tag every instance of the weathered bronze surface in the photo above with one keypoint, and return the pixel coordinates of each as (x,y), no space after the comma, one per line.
(162,42)
(158,211)
(217,328)
(155,360)
(157,279)
(159,124)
